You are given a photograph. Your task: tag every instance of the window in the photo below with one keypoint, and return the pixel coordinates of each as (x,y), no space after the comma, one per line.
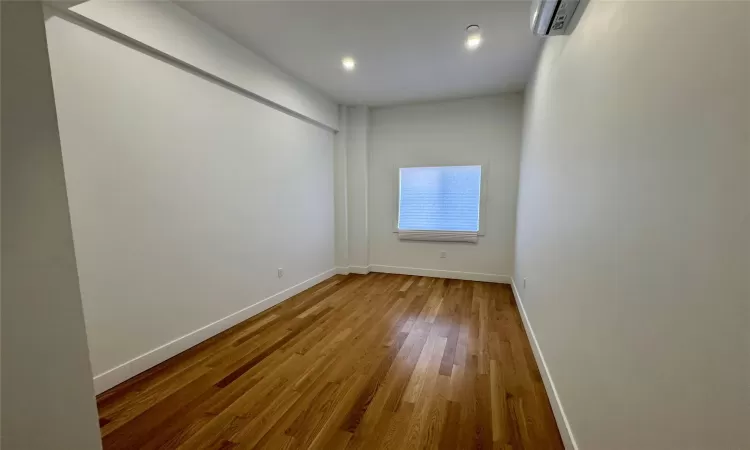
(439,203)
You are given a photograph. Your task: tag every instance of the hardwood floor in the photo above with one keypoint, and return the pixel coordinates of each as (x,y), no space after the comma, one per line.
(375,361)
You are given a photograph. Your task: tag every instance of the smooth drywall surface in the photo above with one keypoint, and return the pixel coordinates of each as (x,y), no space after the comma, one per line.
(185,196)
(357,160)
(633,231)
(48,395)
(166,27)
(485,130)
(340,187)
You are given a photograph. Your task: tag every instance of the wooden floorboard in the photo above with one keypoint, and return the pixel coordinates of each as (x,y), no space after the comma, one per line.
(376,361)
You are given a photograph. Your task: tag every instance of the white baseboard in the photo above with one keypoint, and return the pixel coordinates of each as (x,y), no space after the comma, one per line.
(340,270)
(139,364)
(471,276)
(562,421)
(362,270)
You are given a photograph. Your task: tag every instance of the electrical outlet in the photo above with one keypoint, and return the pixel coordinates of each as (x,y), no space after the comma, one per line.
(524,283)
(443,254)
(280,272)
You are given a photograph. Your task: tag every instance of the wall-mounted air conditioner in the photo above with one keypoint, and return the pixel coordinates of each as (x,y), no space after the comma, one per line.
(552,17)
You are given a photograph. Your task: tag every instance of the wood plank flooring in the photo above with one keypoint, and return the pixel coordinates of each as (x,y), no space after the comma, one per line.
(356,362)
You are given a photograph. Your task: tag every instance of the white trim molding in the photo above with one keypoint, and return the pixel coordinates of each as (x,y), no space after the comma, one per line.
(361,270)
(471,276)
(342,270)
(562,421)
(443,236)
(141,363)
(346,270)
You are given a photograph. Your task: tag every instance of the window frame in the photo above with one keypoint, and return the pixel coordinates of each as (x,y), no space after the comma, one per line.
(396,185)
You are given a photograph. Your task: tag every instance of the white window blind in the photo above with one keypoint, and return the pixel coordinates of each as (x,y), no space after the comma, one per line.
(439,203)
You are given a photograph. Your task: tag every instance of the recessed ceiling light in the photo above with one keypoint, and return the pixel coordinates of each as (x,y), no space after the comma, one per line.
(348,63)
(473,37)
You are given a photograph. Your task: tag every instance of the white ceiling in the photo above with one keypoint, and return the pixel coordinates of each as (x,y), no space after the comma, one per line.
(405,51)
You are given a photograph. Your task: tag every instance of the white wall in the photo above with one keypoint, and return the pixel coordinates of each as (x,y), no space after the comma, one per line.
(484,130)
(48,396)
(169,29)
(351,185)
(357,160)
(633,224)
(185,199)
(341,190)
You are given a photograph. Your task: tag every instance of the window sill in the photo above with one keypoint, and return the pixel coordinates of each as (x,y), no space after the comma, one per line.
(438,236)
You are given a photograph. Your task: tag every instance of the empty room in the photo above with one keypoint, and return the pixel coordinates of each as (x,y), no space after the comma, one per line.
(375,225)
